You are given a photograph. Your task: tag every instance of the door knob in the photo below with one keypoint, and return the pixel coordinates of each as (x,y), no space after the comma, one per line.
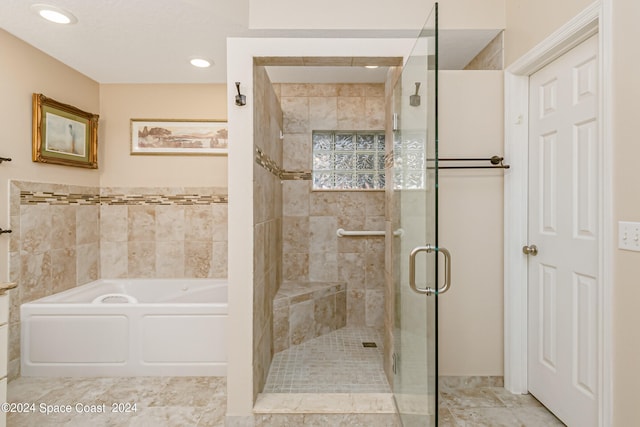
(530,250)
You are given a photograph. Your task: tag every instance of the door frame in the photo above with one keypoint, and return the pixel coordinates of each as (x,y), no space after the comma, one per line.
(596,19)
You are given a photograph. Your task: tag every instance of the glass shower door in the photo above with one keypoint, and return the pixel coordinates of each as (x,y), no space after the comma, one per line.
(415,251)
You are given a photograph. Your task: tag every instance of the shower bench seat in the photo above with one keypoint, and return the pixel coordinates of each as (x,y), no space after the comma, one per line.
(306,310)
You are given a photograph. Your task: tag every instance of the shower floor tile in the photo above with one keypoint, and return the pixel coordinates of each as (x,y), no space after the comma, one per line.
(333,363)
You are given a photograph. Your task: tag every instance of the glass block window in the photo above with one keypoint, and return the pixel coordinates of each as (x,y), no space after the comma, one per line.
(409,162)
(348,160)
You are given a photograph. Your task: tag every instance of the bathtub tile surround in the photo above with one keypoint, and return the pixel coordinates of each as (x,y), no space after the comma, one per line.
(267,217)
(67,235)
(163,232)
(54,246)
(311,249)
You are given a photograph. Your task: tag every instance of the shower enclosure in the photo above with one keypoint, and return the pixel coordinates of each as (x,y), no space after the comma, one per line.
(417,277)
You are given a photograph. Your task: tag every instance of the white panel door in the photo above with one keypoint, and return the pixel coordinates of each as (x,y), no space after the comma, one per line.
(563,359)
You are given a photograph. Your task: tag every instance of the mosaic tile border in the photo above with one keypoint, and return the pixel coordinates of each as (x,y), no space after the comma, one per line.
(296,176)
(272,166)
(53,198)
(267,162)
(161,199)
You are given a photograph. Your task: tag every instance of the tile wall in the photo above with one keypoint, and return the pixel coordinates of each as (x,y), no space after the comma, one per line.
(303,311)
(267,216)
(65,236)
(491,57)
(54,246)
(311,249)
(163,232)
(391,217)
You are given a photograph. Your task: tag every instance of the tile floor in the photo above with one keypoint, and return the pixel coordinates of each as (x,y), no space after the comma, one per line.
(335,362)
(160,401)
(489,404)
(201,401)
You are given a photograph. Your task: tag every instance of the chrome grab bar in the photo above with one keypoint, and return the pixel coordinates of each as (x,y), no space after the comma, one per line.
(341,232)
(447,270)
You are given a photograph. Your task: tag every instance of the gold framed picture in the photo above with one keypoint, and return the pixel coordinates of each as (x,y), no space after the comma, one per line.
(177,136)
(63,134)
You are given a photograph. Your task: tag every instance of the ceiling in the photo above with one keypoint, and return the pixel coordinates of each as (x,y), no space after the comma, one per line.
(127,41)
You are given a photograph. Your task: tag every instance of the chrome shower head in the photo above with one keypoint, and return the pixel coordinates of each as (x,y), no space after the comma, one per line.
(414,100)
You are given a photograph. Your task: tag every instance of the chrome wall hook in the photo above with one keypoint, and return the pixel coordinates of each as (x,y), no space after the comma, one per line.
(240,98)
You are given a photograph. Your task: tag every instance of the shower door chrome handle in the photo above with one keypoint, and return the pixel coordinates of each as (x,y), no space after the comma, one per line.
(447,270)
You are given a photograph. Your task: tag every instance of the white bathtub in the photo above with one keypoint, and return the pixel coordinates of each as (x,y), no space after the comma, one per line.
(128,327)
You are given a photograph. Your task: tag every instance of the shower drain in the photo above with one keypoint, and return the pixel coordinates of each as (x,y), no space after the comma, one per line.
(369,344)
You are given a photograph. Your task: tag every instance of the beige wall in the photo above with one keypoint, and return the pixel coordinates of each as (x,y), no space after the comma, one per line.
(470,314)
(626,207)
(121,102)
(527,24)
(530,21)
(26,70)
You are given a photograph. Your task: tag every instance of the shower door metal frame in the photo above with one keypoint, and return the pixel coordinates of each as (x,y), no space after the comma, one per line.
(415,204)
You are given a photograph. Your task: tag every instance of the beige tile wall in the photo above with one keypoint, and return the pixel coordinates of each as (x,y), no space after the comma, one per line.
(65,236)
(392,248)
(303,311)
(163,232)
(491,57)
(54,246)
(311,249)
(267,216)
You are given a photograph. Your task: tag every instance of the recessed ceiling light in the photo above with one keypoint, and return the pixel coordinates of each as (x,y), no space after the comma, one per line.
(54,14)
(200,63)
(371,66)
